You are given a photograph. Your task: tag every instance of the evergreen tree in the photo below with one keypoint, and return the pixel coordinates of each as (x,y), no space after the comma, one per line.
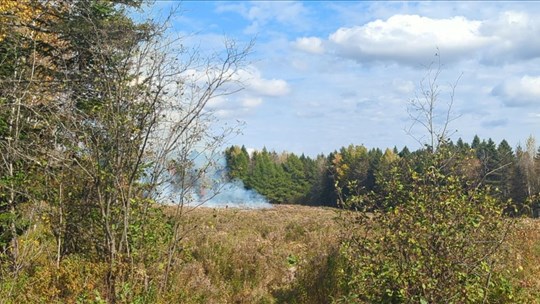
(519,191)
(507,163)
(404,153)
(259,177)
(323,192)
(461,145)
(237,162)
(374,158)
(297,182)
(486,152)
(476,142)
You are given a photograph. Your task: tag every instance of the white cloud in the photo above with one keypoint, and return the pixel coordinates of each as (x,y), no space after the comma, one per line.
(519,92)
(409,38)
(254,82)
(251,102)
(269,87)
(245,101)
(249,78)
(233,106)
(413,39)
(310,45)
(516,36)
(403,86)
(507,25)
(216,102)
(262,13)
(237,7)
(223,113)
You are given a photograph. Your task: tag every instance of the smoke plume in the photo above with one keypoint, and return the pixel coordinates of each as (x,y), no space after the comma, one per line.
(202,180)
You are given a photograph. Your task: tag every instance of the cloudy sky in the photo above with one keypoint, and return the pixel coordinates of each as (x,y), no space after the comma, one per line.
(327,74)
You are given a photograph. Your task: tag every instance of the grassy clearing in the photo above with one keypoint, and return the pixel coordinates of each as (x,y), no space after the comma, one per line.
(522,260)
(255,256)
(289,254)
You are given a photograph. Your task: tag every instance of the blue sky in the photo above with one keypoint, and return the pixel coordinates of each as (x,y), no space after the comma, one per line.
(328,74)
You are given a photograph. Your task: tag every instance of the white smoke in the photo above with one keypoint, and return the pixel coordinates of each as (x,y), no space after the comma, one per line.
(202,181)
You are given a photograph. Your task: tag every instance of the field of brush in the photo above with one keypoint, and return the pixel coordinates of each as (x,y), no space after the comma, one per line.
(258,255)
(289,254)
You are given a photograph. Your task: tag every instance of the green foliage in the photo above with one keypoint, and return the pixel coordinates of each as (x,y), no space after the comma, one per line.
(150,231)
(81,97)
(284,178)
(432,241)
(237,162)
(356,171)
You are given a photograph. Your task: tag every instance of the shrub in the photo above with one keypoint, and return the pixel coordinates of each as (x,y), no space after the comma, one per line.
(434,240)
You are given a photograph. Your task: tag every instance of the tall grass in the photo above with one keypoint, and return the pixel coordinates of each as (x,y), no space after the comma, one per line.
(287,254)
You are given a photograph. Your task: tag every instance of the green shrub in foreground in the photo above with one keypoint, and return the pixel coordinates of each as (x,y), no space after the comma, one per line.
(435,241)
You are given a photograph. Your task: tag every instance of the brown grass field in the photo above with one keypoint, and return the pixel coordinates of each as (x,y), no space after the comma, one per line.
(256,256)
(288,254)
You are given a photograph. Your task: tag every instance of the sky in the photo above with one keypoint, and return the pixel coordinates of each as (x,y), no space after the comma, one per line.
(324,74)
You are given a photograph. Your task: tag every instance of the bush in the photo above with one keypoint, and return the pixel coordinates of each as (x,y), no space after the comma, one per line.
(434,240)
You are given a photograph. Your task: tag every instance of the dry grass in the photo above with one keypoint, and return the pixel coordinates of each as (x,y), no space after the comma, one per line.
(288,254)
(253,256)
(522,260)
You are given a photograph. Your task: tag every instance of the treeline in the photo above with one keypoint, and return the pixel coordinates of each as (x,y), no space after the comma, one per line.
(282,178)
(356,170)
